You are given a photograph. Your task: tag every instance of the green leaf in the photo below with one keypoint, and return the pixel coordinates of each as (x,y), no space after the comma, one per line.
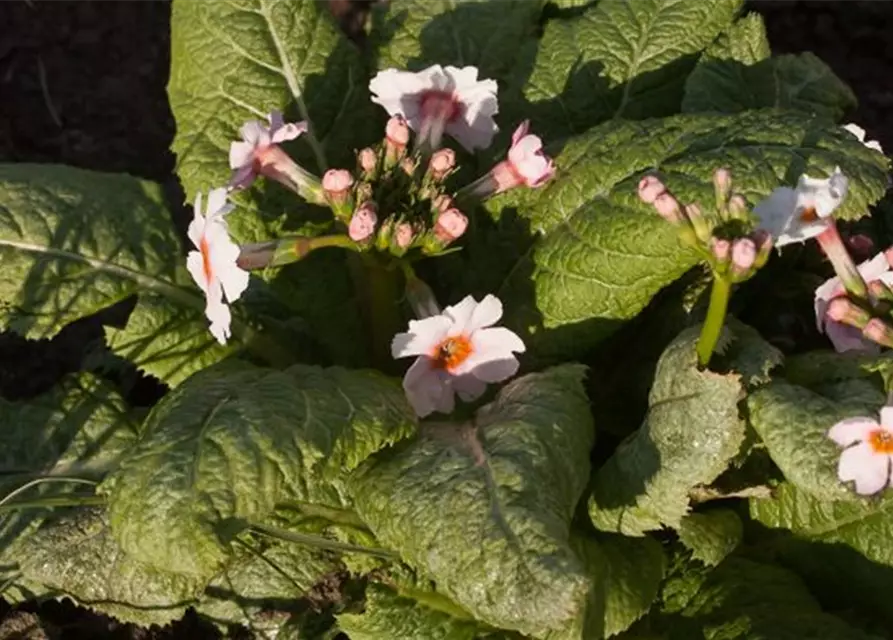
(711,535)
(596,255)
(816,367)
(795,81)
(76,556)
(617,59)
(745,41)
(746,600)
(793,423)
(399,615)
(232,441)
(635,569)
(690,434)
(484,508)
(73,242)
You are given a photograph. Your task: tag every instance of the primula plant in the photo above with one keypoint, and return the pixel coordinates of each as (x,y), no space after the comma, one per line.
(469,326)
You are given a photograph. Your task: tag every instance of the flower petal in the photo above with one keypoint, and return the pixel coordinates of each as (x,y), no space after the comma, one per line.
(217,203)
(856,130)
(428,389)
(221,318)
(852,430)
(798,231)
(460,314)
(195,264)
(469,387)
(242,177)
(422,338)
(887,419)
(869,471)
(491,359)
(775,211)
(847,338)
(197,226)
(824,195)
(875,268)
(255,133)
(240,154)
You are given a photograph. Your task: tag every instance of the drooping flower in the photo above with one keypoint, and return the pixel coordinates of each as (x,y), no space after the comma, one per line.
(213,266)
(868,451)
(458,351)
(843,336)
(796,215)
(525,165)
(441,99)
(259,153)
(859,132)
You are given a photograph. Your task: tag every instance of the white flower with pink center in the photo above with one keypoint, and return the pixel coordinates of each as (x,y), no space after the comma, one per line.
(458,352)
(258,153)
(532,167)
(213,266)
(796,215)
(441,99)
(868,451)
(843,336)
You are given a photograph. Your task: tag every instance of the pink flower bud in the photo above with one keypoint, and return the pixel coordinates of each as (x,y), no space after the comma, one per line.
(668,207)
(842,309)
(877,331)
(397,131)
(336,183)
(650,187)
(738,206)
(362,223)
(442,162)
(722,180)
(368,160)
(442,202)
(763,241)
(744,254)
(450,225)
(721,249)
(404,235)
(408,165)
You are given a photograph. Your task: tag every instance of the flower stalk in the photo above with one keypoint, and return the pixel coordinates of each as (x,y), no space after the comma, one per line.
(275,253)
(716,315)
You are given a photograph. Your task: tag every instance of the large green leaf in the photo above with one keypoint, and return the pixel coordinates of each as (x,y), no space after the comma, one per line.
(711,535)
(595,255)
(690,434)
(484,508)
(616,59)
(793,423)
(635,569)
(800,81)
(745,41)
(76,556)
(227,445)
(746,600)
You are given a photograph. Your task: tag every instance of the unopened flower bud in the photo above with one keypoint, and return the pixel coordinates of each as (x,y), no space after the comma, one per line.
(842,309)
(363,221)
(668,207)
(442,162)
(878,331)
(404,235)
(721,249)
(698,222)
(722,181)
(408,165)
(337,183)
(363,192)
(879,291)
(367,160)
(650,187)
(450,225)
(744,254)
(763,241)
(738,207)
(396,139)
(442,202)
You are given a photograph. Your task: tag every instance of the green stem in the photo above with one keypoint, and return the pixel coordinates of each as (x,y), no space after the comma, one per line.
(382,310)
(275,253)
(320,542)
(333,515)
(716,315)
(54,501)
(33,483)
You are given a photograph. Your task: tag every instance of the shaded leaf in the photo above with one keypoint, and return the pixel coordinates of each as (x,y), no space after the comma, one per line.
(711,535)
(635,569)
(745,41)
(690,434)
(484,508)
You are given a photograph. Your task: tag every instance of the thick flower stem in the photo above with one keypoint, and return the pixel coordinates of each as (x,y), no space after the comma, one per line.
(716,315)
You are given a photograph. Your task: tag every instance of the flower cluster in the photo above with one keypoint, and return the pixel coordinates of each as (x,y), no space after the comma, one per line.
(395,201)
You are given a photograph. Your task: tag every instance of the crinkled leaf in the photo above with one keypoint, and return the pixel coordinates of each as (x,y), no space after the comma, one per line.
(793,423)
(745,41)
(484,508)
(816,367)
(635,569)
(690,434)
(711,535)
(746,600)
(73,242)
(616,59)
(749,354)
(794,81)
(76,556)
(232,441)
(596,255)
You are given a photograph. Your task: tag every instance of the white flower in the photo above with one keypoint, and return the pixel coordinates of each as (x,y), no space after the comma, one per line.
(258,152)
(457,352)
(868,451)
(213,266)
(796,215)
(441,99)
(859,132)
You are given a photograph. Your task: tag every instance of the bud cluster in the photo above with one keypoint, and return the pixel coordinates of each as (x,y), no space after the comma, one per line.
(397,202)
(723,239)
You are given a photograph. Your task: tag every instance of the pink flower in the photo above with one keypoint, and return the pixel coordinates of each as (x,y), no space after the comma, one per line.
(404,235)
(525,165)
(845,337)
(213,266)
(868,451)
(441,99)
(258,153)
(363,221)
(458,352)
(450,225)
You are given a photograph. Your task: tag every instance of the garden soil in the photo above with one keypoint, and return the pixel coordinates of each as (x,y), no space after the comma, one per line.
(83,83)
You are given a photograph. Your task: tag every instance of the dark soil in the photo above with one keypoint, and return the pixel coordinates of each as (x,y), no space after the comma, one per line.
(83,83)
